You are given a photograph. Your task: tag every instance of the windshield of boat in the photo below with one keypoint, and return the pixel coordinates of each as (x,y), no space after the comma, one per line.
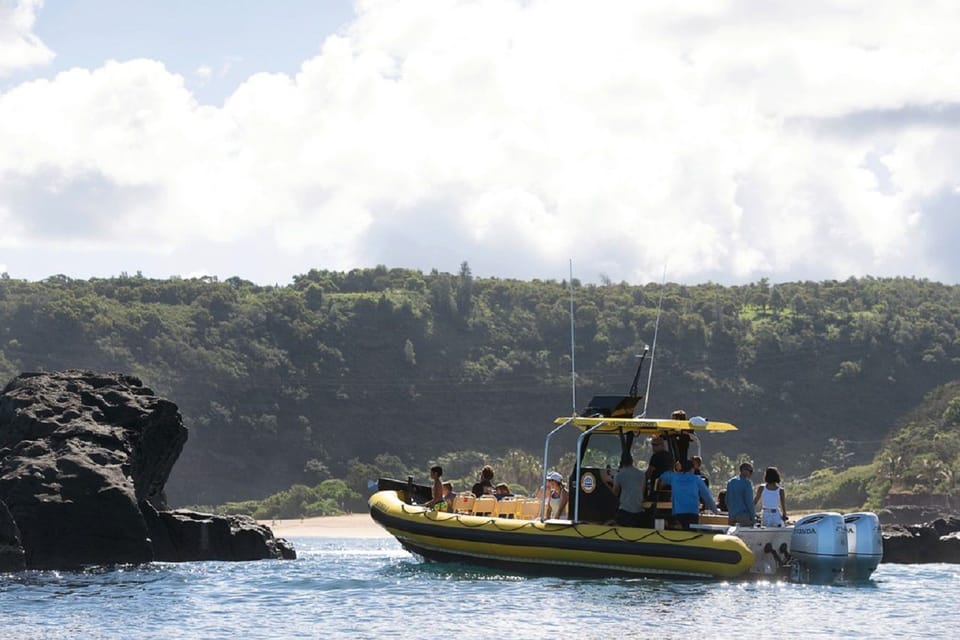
(603,450)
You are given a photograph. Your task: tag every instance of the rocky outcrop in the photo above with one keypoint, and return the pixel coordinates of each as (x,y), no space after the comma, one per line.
(937,541)
(84,458)
(183,536)
(906,514)
(11,551)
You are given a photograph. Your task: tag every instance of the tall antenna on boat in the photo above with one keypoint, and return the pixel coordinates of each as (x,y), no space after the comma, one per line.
(634,388)
(653,350)
(573,361)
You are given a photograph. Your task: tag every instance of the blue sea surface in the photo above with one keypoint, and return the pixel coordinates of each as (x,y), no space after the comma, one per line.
(372,588)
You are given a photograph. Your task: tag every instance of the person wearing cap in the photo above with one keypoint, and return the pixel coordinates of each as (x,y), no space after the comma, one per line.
(556,499)
(660,461)
(739,498)
(627,485)
(688,490)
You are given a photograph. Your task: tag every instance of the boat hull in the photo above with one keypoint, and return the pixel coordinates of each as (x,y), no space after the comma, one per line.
(559,547)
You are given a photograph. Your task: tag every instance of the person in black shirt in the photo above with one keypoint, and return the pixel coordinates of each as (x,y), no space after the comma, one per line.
(698,469)
(660,461)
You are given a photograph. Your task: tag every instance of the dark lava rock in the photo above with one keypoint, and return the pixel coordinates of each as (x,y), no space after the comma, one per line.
(11,551)
(907,514)
(937,541)
(84,458)
(182,535)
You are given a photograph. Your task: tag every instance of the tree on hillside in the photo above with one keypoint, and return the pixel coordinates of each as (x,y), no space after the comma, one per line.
(465,293)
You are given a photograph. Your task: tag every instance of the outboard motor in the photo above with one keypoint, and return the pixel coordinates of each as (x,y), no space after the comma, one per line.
(864,546)
(819,548)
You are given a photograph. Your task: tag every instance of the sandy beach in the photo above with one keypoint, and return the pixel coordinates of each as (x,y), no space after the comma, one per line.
(357,525)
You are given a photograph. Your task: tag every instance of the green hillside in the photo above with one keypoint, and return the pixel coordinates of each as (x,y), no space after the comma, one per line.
(299,383)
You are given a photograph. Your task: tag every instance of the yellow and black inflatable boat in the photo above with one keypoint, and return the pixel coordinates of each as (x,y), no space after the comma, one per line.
(557,546)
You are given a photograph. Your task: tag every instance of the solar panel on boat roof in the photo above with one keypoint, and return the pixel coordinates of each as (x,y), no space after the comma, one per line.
(611,406)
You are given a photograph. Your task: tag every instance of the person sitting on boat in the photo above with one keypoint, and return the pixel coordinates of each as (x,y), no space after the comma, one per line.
(485,484)
(449,495)
(556,499)
(501,491)
(739,498)
(661,461)
(436,502)
(688,490)
(772,499)
(628,486)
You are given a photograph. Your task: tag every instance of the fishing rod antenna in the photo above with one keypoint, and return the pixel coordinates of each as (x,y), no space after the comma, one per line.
(573,361)
(653,349)
(634,388)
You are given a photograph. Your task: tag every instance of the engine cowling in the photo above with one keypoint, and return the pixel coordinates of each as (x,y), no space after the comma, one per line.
(864,546)
(819,548)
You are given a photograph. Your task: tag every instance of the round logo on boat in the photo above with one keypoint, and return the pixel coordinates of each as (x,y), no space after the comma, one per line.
(588,482)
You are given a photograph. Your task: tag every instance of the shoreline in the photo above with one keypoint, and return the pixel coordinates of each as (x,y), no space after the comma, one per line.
(354,525)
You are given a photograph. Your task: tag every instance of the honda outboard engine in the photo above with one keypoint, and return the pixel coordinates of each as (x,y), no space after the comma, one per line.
(819,548)
(864,546)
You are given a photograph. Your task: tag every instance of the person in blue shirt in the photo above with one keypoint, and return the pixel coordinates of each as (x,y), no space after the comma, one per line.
(740,506)
(687,490)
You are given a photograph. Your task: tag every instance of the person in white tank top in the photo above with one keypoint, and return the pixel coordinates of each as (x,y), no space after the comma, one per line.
(555,501)
(772,500)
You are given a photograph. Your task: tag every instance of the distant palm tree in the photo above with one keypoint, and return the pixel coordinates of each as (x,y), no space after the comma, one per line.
(519,467)
(891,469)
(723,467)
(950,478)
(927,474)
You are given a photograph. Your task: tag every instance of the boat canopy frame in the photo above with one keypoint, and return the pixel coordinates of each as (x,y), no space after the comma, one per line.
(621,426)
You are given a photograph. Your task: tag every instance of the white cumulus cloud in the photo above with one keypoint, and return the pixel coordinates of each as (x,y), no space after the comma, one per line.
(728,141)
(19,47)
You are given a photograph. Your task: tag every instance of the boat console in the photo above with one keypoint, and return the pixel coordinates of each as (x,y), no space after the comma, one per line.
(597,502)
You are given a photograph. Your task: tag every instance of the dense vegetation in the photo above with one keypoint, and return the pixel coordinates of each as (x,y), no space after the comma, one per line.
(320,379)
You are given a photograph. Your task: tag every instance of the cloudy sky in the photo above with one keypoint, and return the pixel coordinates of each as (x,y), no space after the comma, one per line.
(723,140)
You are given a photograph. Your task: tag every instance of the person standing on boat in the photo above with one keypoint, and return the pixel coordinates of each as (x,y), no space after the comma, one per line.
(698,469)
(661,461)
(772,499)
(740,507)
(688,491)
(628,486)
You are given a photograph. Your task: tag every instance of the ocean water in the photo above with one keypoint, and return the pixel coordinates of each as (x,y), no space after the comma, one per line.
(372,588)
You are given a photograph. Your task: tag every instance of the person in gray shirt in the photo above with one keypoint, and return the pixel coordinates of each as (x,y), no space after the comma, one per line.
(628,485)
